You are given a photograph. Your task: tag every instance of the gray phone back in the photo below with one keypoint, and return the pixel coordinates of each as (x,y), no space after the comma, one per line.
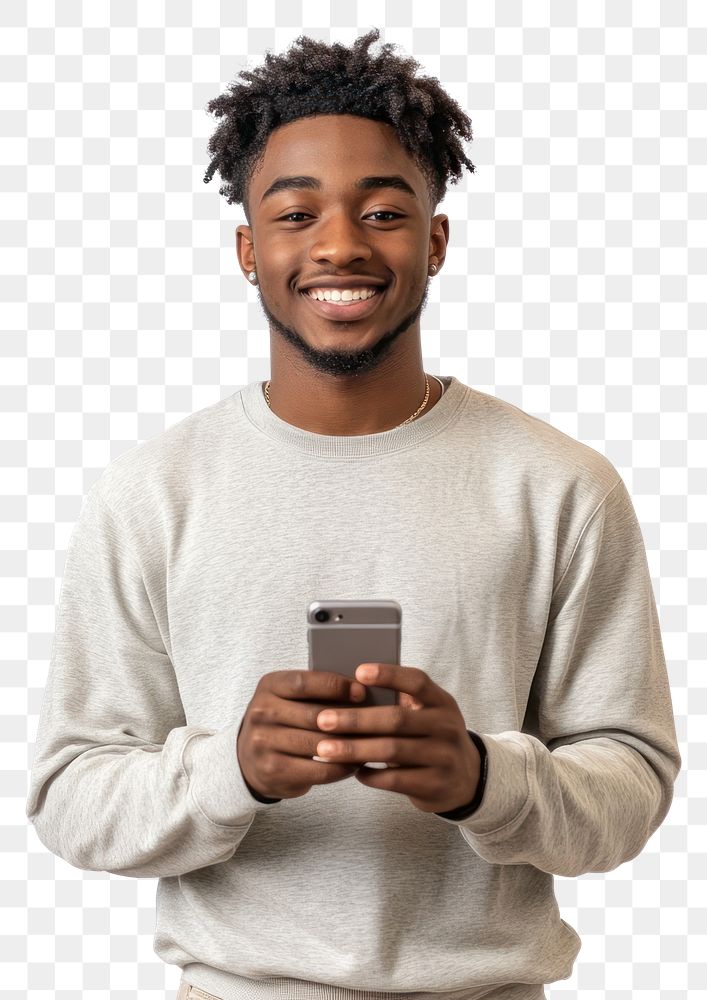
(354,632)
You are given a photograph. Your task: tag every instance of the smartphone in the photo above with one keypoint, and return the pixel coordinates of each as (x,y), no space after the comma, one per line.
(342,634)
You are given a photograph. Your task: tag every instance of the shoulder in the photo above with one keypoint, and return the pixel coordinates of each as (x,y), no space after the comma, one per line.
(156,469)
(527,449)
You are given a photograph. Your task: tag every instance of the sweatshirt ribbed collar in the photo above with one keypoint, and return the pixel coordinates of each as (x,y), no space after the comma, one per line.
(357,445)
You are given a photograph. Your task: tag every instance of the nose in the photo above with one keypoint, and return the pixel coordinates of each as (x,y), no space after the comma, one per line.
(340,240)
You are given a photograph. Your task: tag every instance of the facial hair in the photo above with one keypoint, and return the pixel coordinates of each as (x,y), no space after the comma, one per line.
(339,361)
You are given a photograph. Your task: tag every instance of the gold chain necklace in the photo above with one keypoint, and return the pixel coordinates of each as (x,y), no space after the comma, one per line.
(415,414)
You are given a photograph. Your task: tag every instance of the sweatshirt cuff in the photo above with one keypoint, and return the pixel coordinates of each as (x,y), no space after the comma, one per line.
(216,782)
(507,789)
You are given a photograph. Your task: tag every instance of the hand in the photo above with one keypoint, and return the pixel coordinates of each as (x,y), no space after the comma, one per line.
(278,736)
(424,740)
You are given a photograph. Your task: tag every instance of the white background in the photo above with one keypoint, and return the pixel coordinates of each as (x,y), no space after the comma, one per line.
(574,287)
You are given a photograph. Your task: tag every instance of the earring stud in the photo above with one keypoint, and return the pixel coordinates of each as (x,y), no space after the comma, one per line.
(433,268)
(252,276)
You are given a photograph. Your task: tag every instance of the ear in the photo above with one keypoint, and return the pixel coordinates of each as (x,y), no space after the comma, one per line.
(245,249)
(439,238)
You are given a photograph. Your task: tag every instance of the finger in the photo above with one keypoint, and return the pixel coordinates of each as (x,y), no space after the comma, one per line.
(407,701)
(312,771)
(290,714)
(306,685)
(389,780)
(298,745)
(368,765)
(411,680)
(389,750)
(388,719)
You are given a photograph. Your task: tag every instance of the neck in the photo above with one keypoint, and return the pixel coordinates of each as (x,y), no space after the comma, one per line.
(353,406)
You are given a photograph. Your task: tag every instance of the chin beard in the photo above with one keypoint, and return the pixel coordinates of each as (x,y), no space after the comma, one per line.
(341,361)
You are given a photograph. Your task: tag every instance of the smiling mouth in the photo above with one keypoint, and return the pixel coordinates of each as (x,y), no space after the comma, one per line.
(345,311)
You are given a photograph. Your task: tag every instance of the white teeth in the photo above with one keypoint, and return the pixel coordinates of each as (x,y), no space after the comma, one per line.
(340,295)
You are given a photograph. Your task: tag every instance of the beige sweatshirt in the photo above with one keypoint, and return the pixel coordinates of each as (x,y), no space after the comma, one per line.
(515,554)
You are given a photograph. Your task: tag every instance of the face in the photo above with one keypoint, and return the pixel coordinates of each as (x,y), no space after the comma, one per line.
(337,229)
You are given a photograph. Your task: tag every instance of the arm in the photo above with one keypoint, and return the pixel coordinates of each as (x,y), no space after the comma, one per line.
(590,789)
(119,782)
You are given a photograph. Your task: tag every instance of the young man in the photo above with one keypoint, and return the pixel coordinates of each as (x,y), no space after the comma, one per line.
(182,735)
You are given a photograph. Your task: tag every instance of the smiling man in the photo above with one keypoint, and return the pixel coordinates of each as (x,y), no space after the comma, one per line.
(182,735)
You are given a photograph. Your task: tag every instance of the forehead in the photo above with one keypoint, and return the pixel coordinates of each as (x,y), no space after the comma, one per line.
(336,148)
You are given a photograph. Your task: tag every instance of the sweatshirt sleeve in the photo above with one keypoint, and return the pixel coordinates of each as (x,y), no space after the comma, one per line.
(590,789)
(119,782)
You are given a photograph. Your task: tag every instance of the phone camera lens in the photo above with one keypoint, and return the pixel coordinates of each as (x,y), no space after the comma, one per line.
(322,616)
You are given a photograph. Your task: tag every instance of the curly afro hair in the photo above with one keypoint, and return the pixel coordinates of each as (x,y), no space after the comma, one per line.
(313,78)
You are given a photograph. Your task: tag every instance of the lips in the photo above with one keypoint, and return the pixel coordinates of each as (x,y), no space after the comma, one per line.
(345,312)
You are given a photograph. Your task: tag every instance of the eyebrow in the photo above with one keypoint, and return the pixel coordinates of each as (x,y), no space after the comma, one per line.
(313,184)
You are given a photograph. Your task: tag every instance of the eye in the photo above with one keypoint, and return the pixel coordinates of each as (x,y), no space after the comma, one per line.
(288,218)
(396,215)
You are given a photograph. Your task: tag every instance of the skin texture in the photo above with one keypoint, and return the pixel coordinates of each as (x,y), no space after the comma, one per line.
(423,739)
(278,735)
(348,378)
(330,376)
